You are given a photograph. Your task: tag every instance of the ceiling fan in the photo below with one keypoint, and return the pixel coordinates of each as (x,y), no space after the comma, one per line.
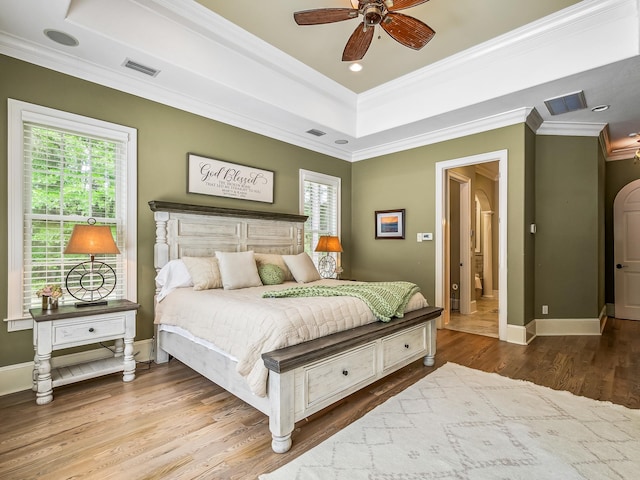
(408,31)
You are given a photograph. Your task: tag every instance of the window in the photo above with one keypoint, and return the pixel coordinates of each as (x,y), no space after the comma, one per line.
(63,170)
(320,200)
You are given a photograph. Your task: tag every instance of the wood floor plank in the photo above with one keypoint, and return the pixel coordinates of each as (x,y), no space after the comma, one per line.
(172,423)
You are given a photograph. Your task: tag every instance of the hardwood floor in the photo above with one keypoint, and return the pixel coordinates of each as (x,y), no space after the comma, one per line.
(171,423)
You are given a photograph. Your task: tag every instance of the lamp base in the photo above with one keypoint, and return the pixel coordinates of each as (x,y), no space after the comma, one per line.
(90,282)
(327,267)
(91,304)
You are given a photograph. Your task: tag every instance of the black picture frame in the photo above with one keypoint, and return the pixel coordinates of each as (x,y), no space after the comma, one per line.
(390,224)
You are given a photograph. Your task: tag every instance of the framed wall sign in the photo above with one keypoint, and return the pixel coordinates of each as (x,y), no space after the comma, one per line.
(389,223)
(223,179)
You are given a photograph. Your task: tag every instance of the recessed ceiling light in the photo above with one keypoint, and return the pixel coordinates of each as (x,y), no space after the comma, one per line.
(600,108)
(355,67)
(61,38)
(342,142)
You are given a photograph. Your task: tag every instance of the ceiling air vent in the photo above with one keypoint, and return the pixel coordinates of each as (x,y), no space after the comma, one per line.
(138,67)
(317,133)
(566,103)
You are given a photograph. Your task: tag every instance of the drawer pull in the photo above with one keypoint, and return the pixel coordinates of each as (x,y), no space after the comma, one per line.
(406,345)
(345,372)
(91,330)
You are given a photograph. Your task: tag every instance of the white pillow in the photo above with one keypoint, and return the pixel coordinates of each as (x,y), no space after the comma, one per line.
(173,275)
(204,272)
(238,270)
(273,259)
(302,267)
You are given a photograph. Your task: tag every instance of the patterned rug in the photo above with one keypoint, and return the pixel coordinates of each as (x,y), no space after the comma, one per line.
(460,423)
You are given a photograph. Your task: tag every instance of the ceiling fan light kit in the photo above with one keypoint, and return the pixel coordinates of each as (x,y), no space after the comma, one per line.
(406,30)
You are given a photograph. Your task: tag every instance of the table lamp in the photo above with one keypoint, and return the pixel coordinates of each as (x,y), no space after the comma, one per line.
(327,264)
(91,281)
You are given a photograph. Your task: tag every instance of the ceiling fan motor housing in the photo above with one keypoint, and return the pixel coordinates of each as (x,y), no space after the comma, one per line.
(373,13)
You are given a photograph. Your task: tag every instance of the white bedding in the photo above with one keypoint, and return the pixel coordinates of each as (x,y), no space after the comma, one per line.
(245,325)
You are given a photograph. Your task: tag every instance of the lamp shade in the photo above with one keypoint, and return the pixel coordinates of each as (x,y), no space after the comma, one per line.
(328,243)
(92,240)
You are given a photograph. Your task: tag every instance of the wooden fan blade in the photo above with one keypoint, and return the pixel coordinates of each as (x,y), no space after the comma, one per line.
(358,43)
(402,4)
(324,15)
(409,31)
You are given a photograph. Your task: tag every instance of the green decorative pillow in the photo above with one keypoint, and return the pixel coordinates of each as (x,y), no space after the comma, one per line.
(271,274)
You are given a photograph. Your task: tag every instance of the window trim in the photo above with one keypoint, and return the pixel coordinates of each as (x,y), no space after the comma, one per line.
(18,113)
(311,176)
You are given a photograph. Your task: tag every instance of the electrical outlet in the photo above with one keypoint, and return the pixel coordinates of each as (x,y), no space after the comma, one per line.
(545,309)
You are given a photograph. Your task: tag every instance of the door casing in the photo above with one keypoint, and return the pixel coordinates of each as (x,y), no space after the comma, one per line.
(442,255)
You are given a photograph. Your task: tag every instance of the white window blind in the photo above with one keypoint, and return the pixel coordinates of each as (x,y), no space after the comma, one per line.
(63,170)
(320,200)
(68,178)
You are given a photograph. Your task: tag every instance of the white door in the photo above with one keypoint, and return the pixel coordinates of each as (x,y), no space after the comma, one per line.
(626,233)
(466,306)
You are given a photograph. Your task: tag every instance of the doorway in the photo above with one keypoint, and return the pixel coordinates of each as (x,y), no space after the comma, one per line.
(477,254)
(626,231)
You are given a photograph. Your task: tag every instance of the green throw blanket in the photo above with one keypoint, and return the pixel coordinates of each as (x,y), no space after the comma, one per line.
(385,299)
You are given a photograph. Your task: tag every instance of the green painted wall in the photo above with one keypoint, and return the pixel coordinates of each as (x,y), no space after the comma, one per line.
(537,170)
(165,136)
(602,188)
(407,180)
(569,219)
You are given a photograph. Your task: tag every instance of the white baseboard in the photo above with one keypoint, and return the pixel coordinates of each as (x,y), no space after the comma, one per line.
(567,326)
(571,326)
(18,377)
(522,335)
(547,327)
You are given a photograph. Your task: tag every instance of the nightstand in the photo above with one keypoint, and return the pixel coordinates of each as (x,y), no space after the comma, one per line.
(71,326)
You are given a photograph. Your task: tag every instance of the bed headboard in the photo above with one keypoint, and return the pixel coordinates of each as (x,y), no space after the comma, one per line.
(198,231)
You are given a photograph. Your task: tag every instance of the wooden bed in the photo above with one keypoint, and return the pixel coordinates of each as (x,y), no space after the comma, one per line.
(303,378)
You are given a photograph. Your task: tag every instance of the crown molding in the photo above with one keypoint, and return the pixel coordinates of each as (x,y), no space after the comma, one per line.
(534,120)
(571,129)
(230,114)
(462,130)
(206,22)
(500,66)
(315,101)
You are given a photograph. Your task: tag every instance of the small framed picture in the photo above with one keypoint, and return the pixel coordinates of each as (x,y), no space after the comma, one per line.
(390,224)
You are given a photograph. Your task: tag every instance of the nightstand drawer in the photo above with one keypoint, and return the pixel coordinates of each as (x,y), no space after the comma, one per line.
(88,329)
(339,373)
(400,347)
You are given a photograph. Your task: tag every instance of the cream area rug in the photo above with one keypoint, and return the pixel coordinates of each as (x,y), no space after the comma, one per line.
(460,423)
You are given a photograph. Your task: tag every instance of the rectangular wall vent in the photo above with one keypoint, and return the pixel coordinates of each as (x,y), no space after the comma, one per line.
(317,133)
(138,67)
(566,103)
